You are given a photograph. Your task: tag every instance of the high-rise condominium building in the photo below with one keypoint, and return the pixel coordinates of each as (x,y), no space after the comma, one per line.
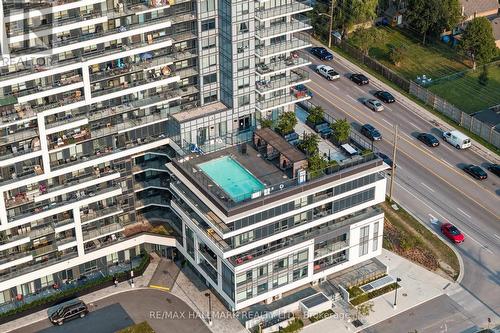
(99,99)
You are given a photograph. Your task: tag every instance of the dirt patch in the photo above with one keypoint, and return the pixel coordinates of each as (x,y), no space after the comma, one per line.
(408,238)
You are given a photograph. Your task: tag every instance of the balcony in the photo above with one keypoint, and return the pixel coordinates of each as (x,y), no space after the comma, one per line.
(262,14)
(330,248)
(296,25)
(295,77)
(135,8)
(330,261)
(306,235)
(282,100)
(77,135)
(91,215)
(156,200)
(12,7)
(46,88)
(150,165)
(93,234)
(296,42)
(290,62)
(157,183)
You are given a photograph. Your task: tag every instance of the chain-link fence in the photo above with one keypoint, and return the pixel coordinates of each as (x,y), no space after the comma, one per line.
(485,131)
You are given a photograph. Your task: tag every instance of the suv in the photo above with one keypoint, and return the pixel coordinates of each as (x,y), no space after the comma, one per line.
(322,53)
(371,132)
(327,72)
(67,312)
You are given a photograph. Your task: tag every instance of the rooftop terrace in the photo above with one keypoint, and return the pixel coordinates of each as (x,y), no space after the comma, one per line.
(259,166)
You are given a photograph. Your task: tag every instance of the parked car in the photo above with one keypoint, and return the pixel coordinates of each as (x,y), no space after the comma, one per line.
(429,139)
(321,53)
(371,132)
(69,311)
(452,233)
(494,169)
(476,171)
(374,104)
(384,96)
(327,72)
(359,79)
(385,158)
(457,139)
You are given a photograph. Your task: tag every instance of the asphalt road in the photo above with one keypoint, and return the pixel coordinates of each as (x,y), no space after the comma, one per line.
(429,182)
(163,311)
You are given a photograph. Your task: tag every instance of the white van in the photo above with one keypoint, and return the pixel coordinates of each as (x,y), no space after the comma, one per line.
(457,139)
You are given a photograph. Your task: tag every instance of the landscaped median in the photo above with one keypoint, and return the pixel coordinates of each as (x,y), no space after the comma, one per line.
(409,238)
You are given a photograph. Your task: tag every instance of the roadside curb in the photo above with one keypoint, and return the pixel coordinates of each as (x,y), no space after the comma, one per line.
(429,117)
(459,257)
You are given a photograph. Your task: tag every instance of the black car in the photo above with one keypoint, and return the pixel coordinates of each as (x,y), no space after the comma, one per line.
(429,139)
(475,172)
(495,169)
(385,158)
(359,79)
(371,132)
(321,53)
(385,96)
(77,309)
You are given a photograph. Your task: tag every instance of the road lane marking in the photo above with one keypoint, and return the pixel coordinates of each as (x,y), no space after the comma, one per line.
(411,137)
(327,99)
(464,213)
(412,124)
(387,122)
(445,161)
(497,236)
(355,100)
(159,287)
(428,187)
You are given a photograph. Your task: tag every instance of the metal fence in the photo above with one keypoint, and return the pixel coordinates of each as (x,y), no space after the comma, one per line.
(483,130)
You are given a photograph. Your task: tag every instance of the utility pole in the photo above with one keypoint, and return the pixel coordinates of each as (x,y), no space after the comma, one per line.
(331,25)
(393,171)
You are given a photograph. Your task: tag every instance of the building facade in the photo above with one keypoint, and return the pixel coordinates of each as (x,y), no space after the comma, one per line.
(96,99)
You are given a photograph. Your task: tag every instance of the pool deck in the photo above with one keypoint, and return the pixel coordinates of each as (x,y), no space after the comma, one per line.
(265,171)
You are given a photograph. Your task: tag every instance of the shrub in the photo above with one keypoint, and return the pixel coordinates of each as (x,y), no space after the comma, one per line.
(378,292)
(322,315)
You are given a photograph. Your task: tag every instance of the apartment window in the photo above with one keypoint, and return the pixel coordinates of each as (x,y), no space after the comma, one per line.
(46,281)
(354,184)
(363,240)
(243,64)
(280,264)
(207,6)
(280,226)
(299,273)
(209,97)
(210,78)
(208,61)
(300,257)
(243,27)
(375,237)
(354,200)
(242,9)
(208,43)
(244,238)
(262,271)
(208,25)
(243,82)
(261,288)
(243,100)
(300,202)
(242,46)
(299,218)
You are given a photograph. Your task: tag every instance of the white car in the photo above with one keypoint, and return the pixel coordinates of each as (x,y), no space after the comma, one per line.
(327,72)
(374,104)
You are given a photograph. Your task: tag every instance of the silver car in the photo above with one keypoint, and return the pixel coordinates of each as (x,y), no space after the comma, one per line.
(374,104)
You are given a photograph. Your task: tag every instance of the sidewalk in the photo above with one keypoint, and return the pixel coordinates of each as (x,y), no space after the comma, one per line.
(418,285)
(411,105)
(140,282)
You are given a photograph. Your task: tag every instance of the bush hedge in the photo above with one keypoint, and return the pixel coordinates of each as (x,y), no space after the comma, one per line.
(51,300)
(378,292)
(322,315)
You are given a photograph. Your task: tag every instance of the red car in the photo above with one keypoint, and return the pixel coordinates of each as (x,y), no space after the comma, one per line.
(453,234)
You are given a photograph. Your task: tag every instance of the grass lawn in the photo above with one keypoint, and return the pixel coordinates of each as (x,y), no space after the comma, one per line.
(138,328)
(467,94)
(433,60)
(407,237)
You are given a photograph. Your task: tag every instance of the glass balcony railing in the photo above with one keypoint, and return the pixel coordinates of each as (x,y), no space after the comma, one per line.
(275,102)
(95,215)
(266,13)
(13,6)
(295,25)
(295,77)
(330,261)
(158,200)
(157,182)
(297,42)
(282,65)
(95,233)
(337,246)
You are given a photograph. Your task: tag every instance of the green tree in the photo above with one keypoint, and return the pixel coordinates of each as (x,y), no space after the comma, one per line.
(347,13)
(320,22)
(483,77)
(397,53)
(316,115)
(478,43)
(266,123)
(286,122)
(341,130)
(365,39)
(432,16)
(316,165)
(365,309)
(309,144)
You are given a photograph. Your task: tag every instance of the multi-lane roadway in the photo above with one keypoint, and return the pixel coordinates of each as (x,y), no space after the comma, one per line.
(429,182)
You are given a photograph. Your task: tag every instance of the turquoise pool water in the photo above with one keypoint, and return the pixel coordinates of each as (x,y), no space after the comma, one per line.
(234,179)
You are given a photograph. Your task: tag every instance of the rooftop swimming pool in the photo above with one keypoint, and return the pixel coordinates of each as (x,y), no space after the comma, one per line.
(234,179)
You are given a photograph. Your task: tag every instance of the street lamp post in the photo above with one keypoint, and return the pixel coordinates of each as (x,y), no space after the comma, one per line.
(131,274)
(396,293)
(209,309)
